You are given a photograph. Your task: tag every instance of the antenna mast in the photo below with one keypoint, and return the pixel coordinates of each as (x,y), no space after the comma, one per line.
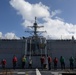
(35,26)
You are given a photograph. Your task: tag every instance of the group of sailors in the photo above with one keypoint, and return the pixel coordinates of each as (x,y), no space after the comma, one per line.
(4,62)
(14,62)
(55,62)
(42,60)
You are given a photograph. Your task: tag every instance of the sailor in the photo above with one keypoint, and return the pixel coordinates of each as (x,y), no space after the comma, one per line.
(23,61)
(30,63)
(62,62)
(49,62)
(42,61)
(3,63)
(55,63)
(14,61)
(71,63)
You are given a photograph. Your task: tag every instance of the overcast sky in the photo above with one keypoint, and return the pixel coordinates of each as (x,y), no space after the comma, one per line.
(57,16)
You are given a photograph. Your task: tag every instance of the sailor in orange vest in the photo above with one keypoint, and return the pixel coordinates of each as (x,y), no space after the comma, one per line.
(3,63)
(55,63)
(49,62)
(14,62)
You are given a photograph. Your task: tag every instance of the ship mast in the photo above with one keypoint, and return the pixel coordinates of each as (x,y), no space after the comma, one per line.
(35,26)
(35,39)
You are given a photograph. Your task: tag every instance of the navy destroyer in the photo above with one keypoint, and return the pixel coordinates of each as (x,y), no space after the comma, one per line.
(34,47)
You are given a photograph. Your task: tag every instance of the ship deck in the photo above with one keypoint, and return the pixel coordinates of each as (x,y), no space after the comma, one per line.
(33,72)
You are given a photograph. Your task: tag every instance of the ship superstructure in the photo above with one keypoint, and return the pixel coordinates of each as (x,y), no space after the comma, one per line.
(36,45)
